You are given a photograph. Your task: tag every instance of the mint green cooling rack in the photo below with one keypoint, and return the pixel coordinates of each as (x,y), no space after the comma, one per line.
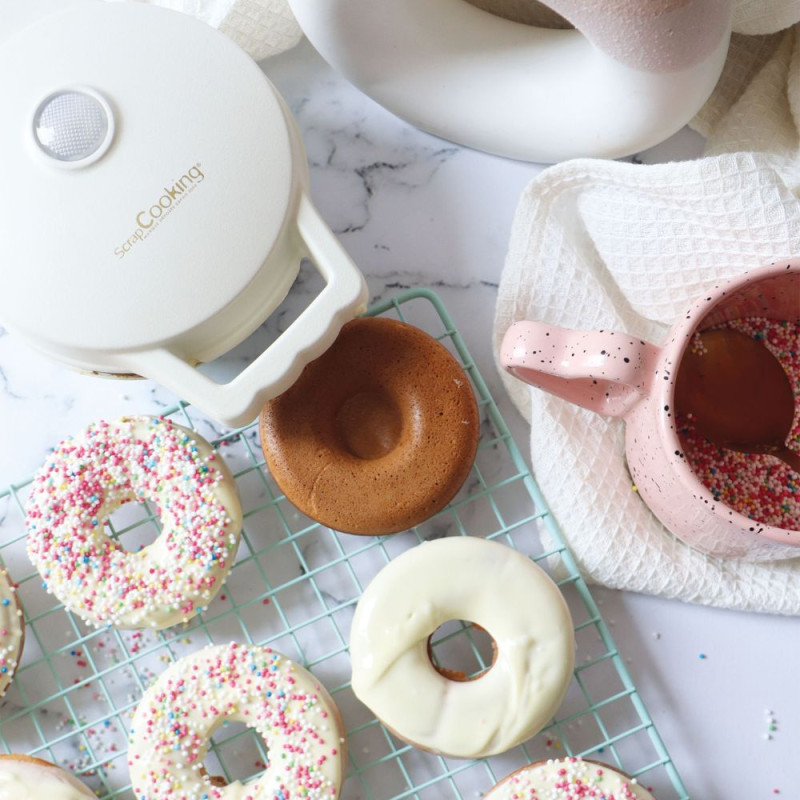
(294,587)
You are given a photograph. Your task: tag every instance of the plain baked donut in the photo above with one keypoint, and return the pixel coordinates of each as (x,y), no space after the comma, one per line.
(567,779)
(490,585)
(23,776)
(629,75)
(91,475)
(280,700)
(378,434)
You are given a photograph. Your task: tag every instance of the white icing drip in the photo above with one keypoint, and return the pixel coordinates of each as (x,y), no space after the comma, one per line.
(462,578)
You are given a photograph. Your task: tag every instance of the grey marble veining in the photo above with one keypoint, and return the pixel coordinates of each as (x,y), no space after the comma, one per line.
(412,211)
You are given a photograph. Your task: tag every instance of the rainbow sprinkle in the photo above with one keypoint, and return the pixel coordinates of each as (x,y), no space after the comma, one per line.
(760,487)
(88,477)
(12,626)
(271,694)
(568,779)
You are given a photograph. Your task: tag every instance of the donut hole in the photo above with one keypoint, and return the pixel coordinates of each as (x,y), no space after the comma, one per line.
(369,424)
(133,525)
(461,651)
(236,754)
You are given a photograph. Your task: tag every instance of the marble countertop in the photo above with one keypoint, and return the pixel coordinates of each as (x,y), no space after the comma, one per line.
(416,211)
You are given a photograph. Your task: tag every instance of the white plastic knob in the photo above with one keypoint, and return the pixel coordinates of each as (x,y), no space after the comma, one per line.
(73,126)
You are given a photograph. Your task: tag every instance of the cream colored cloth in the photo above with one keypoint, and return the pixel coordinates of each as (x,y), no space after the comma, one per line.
(261,27)
(598,244)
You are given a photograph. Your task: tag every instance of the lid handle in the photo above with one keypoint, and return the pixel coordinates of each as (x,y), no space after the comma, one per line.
(238,402)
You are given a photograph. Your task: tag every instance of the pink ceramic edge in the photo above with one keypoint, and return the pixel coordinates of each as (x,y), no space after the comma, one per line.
(674,349)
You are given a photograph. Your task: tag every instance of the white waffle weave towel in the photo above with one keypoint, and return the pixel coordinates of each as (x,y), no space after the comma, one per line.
(598,244)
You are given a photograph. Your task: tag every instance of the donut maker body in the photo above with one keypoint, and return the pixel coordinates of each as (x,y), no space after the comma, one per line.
(154,209)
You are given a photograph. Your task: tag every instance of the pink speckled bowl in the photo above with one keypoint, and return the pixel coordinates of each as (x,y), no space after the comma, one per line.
(619,375)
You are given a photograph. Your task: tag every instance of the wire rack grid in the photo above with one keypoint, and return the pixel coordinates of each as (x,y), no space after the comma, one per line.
(294,587)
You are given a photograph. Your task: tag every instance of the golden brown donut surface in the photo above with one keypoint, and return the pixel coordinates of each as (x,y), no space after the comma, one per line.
(378,433)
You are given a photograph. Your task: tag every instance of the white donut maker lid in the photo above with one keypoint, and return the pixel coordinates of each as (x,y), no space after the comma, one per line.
(153,211)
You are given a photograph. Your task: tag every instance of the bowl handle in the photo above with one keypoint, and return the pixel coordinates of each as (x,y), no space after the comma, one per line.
(238,402)
(605,371)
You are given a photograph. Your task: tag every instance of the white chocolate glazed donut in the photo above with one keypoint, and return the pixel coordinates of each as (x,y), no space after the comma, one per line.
(25,777)
(632,73)
(491,585)
(567,779)
(284,703)
(12,632)
(88,477)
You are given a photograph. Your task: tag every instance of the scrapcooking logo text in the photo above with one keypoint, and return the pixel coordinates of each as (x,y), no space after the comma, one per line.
(149,219)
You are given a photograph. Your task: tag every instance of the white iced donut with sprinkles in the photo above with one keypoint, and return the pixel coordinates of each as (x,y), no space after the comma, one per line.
(487,584)
(281,701)
(90,476)
(12,631)
(568,779)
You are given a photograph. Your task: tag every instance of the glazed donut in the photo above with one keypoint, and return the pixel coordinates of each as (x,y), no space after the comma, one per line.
(282,702)
(88,477)
(12,631)
(378,434)
(567,779)
(23,776)
(629,75)
(493,586)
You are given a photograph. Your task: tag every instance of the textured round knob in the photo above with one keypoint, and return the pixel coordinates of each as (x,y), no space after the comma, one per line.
(73,126)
